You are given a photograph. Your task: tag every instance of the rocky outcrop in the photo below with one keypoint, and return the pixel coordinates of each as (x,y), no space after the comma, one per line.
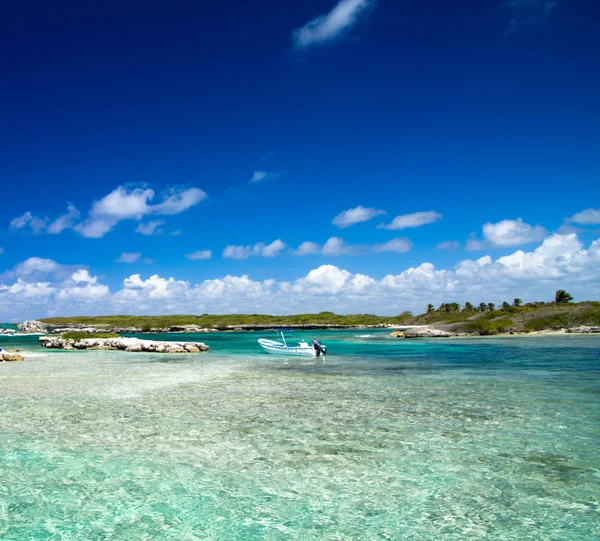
(426,332)
(188,328)
(32,326)
(123,344)
(398,334)
(6,357)
(584,329)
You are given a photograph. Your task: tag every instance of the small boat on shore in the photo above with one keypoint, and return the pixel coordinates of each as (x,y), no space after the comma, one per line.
(302,349)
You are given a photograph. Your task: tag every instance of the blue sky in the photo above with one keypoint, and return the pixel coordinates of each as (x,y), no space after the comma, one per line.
(190,142)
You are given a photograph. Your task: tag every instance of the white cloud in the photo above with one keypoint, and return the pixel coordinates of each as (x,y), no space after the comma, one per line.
(476,245)
(123,203)
(260,176)
(36,268)
(149,228)
(417,219)
(448,245)
(259,249)
(66,221)
(335,246)
(332,25)
(507,233)
(200,254)
(586,217)
(338,246)
(400,245)
(560,261)
(36,224)
(129,257)
(513,233)
(308,248)
(356,215)
(82,286)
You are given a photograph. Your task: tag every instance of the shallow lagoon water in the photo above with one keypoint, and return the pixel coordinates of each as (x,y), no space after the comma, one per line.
(383,439)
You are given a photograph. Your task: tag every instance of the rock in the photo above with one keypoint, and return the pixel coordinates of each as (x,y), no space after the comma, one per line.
(426,332)
(584,329)
(398,334)
(123,344)
(32,326)
(6,357)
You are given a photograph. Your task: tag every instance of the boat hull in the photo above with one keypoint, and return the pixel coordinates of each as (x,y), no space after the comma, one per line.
(277,348)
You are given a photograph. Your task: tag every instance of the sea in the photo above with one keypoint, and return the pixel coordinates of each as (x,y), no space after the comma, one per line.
(382,439)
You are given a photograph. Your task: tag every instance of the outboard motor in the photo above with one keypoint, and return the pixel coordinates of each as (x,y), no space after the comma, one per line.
(319,348)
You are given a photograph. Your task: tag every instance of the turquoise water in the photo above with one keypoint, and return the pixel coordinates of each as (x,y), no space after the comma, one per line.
(422,440)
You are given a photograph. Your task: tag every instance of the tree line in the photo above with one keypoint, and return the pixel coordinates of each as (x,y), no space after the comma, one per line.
(560,297)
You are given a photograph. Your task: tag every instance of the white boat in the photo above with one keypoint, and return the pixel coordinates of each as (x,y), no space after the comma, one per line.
(303,349)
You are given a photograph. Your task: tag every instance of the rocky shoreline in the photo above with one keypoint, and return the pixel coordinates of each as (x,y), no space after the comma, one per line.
(416,331)
(432,332)
(123,344)
(8,357)
(47,328)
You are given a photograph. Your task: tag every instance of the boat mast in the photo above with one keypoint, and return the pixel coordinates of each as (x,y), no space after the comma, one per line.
(283,338)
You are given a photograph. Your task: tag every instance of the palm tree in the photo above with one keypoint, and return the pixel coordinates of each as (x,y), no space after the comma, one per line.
(483,307)
(468,307)
(491,306)
(517,303)
(505,306)
(562,297)
(430,308)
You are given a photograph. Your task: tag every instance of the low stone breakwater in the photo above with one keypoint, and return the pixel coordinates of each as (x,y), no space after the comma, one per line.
(123,344)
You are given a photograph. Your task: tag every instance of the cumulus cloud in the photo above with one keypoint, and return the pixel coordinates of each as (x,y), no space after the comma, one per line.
(506,233)
(200,254)
(129,257)
(356,215)
(36,268)
(586,217)
(513,233)
(528,13)
(259,249)
(416,219)
(126,203)
(448,245)
(123,203)
(333,25)
(149,228)
(560,261)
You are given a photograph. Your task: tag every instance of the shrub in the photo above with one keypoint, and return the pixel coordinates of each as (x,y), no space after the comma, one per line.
(82,335)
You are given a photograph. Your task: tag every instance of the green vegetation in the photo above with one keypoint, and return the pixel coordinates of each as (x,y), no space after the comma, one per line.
(224,321)
(518,317)
(81,335)
(482,318)
(562,296)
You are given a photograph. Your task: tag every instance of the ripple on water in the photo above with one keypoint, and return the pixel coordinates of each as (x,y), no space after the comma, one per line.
(434,445)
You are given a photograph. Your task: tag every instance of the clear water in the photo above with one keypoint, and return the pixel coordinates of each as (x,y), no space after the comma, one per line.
(421,440)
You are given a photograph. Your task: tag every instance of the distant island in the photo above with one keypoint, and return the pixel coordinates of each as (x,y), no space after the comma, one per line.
(451,318)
